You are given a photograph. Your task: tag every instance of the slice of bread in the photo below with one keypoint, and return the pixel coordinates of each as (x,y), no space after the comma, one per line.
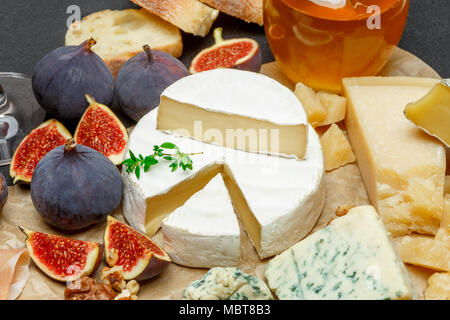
(120,34)
(247,10)
(191,16)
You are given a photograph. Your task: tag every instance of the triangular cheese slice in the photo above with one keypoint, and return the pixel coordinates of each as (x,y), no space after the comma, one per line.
(353,258)
(204,232)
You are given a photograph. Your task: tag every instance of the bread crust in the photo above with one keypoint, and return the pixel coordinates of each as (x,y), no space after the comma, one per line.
(247,10)
(115,62)
(191,16)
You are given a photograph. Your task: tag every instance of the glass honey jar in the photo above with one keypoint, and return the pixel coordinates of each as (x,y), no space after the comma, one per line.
(319,45)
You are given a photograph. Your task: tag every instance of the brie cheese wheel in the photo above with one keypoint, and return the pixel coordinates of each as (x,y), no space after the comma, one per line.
(277,199)
(205,224)
(238,109)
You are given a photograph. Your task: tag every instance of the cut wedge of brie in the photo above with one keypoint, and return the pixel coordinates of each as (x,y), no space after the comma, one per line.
(238,109)
(207,225)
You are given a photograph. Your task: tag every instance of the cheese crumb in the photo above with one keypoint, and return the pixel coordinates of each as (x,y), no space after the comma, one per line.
(314,109)
(438,287)
(337,151)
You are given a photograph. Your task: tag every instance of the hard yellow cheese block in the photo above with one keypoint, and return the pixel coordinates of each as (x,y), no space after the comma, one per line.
(438,287)
(337,151)
(425,251)
(402,167)
(432,112)
(443,233)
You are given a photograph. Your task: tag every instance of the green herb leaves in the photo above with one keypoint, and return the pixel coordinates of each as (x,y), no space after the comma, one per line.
(177,159)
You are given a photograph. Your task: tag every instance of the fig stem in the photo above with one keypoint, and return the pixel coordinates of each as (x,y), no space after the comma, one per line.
(218,35)
(70,144)
(149,52)
(90,99)
(25,231)
(90,43)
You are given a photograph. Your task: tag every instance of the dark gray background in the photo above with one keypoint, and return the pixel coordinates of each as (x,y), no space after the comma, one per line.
(29,29)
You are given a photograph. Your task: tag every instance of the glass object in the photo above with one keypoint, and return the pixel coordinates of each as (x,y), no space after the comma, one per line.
(19,112)
(319,46)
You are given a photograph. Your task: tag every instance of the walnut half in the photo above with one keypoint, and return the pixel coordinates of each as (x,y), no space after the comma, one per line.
(130,293)
(114,277)
(88,288)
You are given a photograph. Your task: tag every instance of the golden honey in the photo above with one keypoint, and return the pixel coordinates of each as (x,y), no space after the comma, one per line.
(319,46)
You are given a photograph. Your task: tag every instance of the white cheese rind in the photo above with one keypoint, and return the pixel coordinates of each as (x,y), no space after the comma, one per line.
(260,97)
(204,232)
(237,109)
(286,196)
(352,258)
(227,284)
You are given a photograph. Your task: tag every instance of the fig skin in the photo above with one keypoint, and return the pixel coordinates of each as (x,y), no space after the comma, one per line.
(62,78)
(22,175)
(74,187)
(90,267)
(102,139)
(149,266)
(3,191)
(143,78)
(251,62)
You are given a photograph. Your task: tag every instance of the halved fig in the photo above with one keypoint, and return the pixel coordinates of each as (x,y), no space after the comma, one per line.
(34,147)
(242,53)
(62,259)
(101,130)
(139,257)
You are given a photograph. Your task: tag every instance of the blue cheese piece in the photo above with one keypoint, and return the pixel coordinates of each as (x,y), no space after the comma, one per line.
(352,258)
(227,284)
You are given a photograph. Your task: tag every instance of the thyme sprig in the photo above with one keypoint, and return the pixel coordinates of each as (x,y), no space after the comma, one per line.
(177,159)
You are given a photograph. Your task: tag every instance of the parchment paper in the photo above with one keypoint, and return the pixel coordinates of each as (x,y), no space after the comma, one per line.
(344,186)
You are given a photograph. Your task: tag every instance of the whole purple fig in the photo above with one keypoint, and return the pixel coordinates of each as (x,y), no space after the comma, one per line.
(74,186)
(63,77)
(143,78)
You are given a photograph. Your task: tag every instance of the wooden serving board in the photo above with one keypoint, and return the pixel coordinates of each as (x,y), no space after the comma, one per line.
(343,186)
